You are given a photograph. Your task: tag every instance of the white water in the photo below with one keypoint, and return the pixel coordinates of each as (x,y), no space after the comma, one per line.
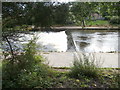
(52,41)
(84,41)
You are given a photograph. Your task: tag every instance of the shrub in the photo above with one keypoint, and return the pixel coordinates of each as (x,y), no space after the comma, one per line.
(84,67)
(107,17)
(116,80)
(115,20)
(26,70)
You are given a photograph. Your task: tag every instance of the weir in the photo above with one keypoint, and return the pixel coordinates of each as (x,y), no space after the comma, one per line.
(83,28)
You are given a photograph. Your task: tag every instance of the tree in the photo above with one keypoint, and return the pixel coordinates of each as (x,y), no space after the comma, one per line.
(60,13)
(109,8)
(12,15)
(81,10)
(40,14)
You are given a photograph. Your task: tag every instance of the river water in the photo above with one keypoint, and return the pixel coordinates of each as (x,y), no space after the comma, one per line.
(76,40)
(73,40)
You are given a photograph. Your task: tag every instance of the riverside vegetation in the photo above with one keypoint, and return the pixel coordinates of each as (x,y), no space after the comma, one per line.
(27,70)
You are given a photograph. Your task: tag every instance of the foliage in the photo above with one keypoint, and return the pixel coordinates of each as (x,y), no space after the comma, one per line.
(107,17)
(116,80)
(46,14)
(39,14)
(42,14)
(12,14)
(26,70)
(82,10)
(115,20)
(60,13)
(109,8)
(84,67)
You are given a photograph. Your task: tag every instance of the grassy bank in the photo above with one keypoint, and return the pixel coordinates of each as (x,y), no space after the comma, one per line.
(91,23)
(98,23)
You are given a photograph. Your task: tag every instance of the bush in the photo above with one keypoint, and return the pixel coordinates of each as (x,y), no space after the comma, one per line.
(107,17)
(116,80)
(84,67)
(115,20)
(26,69)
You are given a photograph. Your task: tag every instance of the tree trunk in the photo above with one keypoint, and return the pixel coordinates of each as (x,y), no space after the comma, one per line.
(83,23)
(11,50)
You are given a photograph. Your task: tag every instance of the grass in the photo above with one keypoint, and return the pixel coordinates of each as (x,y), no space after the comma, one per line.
(98,23)
(108,79)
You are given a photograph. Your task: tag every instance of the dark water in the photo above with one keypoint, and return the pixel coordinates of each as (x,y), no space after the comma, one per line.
(74,40)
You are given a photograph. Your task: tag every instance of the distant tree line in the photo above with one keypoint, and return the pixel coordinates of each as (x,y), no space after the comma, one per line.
(46,14)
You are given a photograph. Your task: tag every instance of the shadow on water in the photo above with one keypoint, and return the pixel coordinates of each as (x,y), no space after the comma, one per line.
(83,44)
(49,48)
(84,37)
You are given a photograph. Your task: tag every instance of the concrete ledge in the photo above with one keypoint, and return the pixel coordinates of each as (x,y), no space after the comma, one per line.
(85,28)
(65,59)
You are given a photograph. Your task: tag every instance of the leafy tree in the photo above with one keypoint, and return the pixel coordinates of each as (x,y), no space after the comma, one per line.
(81,10)
(109,8)
(13,14)
(39,14)
(60,13)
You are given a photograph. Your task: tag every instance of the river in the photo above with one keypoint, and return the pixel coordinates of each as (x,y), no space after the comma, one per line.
(76,40)
(73,40)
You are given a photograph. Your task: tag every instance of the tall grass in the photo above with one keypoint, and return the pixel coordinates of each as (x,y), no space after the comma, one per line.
(85,66)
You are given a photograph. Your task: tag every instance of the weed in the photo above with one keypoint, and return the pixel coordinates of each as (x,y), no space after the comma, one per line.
(84,67)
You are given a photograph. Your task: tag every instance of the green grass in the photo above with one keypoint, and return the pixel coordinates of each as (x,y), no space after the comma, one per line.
(98,23)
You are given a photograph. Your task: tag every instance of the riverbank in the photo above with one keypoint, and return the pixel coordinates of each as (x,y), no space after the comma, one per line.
(65,59)
(64,28)
(85,28)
